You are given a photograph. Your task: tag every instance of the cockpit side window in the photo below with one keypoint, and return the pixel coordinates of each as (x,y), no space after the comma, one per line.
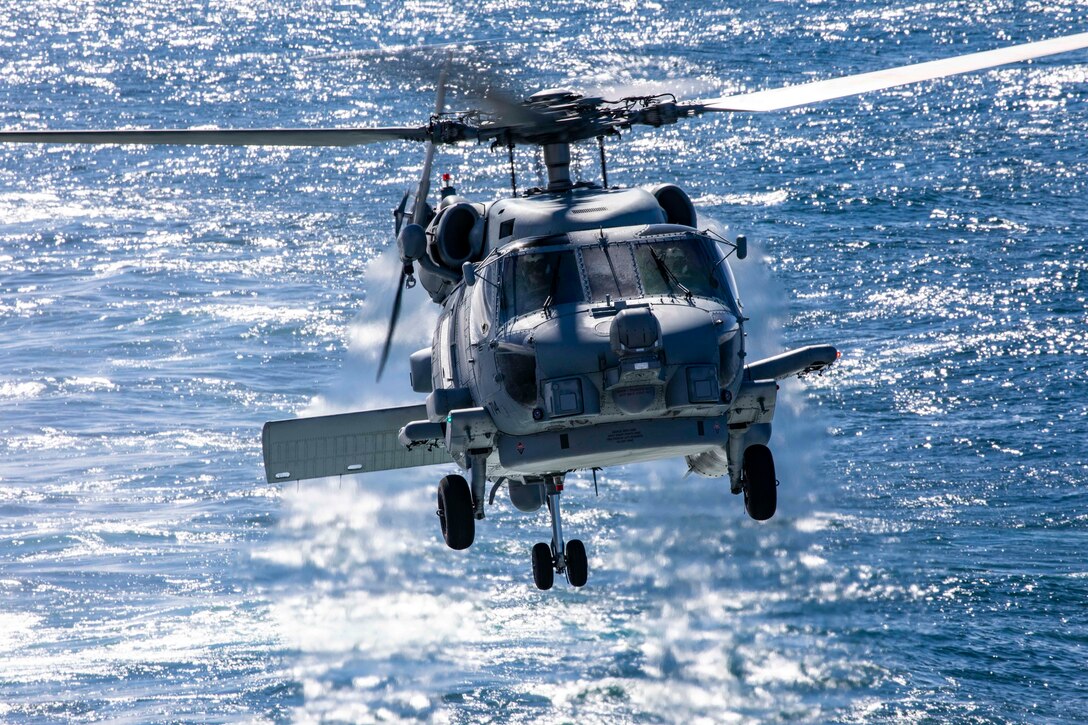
(678,266)
(535,280)
(482,302)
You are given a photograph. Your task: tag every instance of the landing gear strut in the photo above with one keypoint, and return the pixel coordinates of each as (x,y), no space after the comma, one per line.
(567,558)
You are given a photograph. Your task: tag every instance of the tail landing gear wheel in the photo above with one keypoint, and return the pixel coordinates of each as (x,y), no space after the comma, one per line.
(760,484)
(455,512)
(543,571)
(577,566)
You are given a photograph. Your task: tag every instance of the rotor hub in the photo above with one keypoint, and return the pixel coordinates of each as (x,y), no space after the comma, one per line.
(552,95)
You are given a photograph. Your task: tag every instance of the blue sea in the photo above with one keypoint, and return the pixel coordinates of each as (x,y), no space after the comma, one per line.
(927,562)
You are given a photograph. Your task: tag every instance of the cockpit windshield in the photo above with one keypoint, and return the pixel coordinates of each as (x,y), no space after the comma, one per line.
(611,271)
(688,265)
(537,280)
(680,266)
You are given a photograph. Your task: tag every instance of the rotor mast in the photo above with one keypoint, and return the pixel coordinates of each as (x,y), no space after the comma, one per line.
(557,160)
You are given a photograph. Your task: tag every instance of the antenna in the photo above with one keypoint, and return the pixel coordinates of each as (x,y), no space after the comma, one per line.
(604,165)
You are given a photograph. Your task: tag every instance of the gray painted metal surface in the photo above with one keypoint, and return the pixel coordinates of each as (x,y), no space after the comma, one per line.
(333,445)
(608,444)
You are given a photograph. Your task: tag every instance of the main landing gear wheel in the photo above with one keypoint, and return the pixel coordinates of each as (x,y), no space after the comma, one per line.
(577,566)
(760,484)
(455,512)
(543,567)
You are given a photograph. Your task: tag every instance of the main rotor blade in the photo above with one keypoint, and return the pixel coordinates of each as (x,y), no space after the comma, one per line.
(224,137)
(806,93)
(423,190)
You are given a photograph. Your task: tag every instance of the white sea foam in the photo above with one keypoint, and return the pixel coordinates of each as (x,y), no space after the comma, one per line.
(355,386)
(24,390)
(759,198)
(91,383)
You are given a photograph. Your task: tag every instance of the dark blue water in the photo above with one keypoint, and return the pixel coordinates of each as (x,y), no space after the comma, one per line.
(157,305)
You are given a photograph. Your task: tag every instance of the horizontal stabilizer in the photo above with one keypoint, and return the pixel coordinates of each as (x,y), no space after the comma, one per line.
(795,362)
(333,445)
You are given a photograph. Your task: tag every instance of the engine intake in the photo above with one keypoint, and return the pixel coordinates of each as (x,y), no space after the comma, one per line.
(459,236)
(676,204)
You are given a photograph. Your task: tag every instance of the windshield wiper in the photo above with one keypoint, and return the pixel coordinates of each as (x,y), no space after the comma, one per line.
(553,287)
(667,274)
(603,242)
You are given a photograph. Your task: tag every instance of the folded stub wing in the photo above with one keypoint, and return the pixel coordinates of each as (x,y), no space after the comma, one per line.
(811,359)
(333,445)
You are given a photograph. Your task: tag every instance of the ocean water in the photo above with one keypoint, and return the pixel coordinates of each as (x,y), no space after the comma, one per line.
(157,305)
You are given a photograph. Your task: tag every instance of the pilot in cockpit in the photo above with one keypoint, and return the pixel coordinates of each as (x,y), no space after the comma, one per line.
(534,279)
(540,280)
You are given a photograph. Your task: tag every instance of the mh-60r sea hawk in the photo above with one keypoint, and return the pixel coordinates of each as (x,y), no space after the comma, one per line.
(582,326)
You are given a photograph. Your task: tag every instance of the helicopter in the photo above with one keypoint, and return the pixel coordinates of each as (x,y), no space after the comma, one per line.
(581,325)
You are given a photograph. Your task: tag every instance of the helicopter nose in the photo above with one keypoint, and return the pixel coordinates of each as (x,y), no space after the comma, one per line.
(635,338)
(657,360)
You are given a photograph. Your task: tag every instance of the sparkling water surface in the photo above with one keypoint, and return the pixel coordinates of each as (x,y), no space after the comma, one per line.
(157,305)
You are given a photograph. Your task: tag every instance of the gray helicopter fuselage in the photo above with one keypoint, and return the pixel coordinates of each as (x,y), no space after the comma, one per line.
(594,333)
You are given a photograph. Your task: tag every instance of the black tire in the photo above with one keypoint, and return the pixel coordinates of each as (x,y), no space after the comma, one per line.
(760,484)
(543,569)
(455,512)
(577,566)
